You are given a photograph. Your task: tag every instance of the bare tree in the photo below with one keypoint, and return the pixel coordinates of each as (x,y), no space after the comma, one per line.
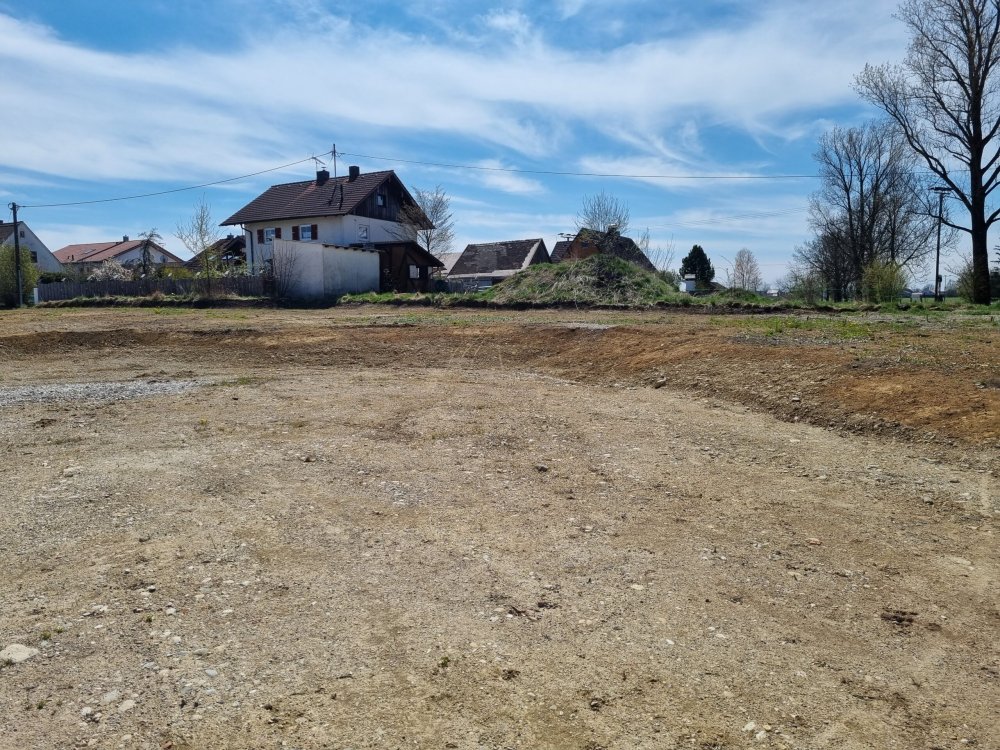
(429,221)
(661,257)
(802,283)
(149,238)
(746,272)
(199,235)
(603,212)
(282,271)
(823,258)
(945,98)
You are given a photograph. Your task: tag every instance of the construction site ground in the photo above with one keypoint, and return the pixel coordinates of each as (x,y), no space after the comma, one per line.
(375,527)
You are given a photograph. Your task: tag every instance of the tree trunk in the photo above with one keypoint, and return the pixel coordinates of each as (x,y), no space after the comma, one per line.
(980,261)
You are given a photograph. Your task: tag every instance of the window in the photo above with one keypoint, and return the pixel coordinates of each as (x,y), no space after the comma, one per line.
(22,234)
(414,272)
(379,199)
(306,232)
(34,257)
(271,233)
(363,232)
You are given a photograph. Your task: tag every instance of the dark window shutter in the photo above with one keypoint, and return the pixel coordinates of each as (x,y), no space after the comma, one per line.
(295,232)
(315,230)
(260,236)
(277,233)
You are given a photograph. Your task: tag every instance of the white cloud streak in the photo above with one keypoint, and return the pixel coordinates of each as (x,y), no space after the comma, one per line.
(183,112)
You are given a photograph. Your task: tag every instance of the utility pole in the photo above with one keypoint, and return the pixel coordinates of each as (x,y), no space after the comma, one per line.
(17,259)
(940,190)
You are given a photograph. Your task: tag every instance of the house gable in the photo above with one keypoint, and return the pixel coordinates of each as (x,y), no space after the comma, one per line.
(41,256)
(126,251)
(374,195)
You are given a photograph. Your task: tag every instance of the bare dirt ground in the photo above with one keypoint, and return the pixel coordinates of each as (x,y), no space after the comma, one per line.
(366,528)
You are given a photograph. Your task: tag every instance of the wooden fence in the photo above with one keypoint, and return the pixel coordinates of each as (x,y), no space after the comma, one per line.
(243,286)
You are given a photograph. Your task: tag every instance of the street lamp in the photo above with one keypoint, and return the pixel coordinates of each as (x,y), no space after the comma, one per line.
(941,190)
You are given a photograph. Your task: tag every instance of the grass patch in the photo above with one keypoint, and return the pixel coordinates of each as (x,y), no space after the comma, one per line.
(841,328)
(162,304)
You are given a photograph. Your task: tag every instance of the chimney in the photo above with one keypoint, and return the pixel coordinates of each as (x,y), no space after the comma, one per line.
(322,176)
(124,238)
(353,173)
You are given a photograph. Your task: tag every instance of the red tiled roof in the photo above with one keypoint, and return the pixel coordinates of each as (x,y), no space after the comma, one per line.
(98,252)
(299,200)
(603,242)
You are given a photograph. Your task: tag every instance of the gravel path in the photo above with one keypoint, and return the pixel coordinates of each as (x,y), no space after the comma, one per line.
(112,391)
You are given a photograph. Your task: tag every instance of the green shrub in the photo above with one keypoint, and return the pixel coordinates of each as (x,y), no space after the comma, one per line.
(8,278)
(882,282)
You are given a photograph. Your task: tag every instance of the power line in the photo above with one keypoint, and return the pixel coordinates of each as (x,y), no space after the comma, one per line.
(558,173)
(173,190)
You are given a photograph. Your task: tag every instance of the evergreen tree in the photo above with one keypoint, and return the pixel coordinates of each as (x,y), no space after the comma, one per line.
(697,262)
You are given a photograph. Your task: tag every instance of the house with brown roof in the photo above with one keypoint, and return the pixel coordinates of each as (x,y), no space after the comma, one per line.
(339,235)
(482,265)
(41,256)
(86,256)
(227,252)
(589,242)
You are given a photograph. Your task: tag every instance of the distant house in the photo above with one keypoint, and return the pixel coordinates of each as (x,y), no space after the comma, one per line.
(589,242)
(483,265)
(41,256)
(228,252)
(346,234)
(689,284)
(448,261)
(87,256)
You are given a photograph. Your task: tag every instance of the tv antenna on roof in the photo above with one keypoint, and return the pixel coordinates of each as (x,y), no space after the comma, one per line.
(320,164)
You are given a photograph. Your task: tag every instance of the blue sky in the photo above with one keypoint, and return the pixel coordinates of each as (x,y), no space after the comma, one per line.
(114,98)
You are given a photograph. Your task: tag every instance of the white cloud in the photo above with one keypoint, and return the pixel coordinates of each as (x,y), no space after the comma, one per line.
(506,182)
(511,22)
(569,8)
(666,173)
(171,114)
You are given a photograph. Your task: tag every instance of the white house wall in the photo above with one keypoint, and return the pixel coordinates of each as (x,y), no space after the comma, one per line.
(346,271)
(323,271)
(331,230)
(46,261)
(134,257)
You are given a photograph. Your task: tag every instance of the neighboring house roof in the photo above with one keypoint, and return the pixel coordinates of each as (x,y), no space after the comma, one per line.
(560,249)
(448,260)
(610,243)
(6,231)
(497,259)
(314,198)
(415,250)
(227,250)
(98,252)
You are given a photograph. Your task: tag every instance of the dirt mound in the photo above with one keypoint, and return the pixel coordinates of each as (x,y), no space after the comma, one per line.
(598,280)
